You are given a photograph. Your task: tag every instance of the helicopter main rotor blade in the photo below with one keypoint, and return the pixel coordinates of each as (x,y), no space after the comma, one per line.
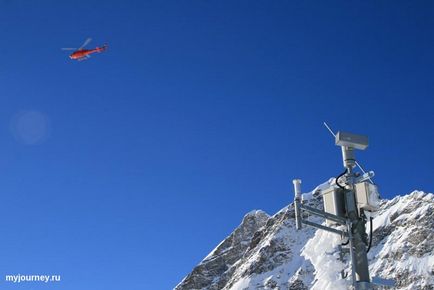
(86,43)
(68,48)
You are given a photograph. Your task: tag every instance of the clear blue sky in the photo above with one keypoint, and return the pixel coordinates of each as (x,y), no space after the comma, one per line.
(148,155)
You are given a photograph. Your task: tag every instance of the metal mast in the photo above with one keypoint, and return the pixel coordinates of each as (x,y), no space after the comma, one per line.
(345,203)
(355,222)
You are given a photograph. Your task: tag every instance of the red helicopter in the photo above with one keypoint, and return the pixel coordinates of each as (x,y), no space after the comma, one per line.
(82,54)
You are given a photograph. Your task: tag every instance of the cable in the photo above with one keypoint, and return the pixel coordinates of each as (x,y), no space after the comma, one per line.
(339,176)
(337,183)
(370,235)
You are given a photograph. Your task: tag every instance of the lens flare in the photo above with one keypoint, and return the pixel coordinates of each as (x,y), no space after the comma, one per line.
(30,127)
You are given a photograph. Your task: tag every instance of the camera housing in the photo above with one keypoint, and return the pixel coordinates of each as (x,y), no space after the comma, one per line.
(351,140)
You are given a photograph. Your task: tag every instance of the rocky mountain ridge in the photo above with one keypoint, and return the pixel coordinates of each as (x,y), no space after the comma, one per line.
(266,252)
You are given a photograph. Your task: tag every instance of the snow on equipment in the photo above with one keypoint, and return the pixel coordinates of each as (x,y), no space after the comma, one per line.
(348,202)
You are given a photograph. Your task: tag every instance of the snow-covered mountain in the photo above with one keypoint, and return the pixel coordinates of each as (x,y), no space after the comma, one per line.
(267,252)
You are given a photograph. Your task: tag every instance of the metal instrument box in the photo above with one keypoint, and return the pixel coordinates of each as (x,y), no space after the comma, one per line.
(367,196)
(334,203)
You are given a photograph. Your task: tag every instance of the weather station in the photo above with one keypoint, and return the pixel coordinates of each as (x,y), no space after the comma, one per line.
(349,201)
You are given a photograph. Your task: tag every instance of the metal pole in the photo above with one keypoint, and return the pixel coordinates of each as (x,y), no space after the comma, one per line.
(323,214)
(321,227)
(356,228)
(353,256)
(297,200)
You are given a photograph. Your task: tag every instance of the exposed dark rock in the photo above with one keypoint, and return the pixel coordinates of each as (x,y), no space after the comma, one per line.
(264,252)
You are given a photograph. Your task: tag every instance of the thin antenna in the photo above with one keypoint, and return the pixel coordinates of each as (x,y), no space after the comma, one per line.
(357,163)
(363,170)
(328,128)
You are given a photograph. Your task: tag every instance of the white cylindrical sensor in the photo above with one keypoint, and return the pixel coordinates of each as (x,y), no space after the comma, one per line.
(297,188)
(297,200)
